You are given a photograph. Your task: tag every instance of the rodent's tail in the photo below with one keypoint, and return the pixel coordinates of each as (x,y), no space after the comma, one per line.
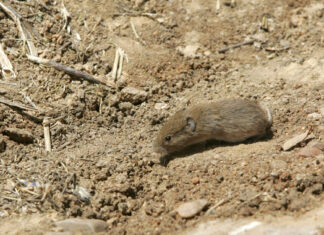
(267,111)
(269,116)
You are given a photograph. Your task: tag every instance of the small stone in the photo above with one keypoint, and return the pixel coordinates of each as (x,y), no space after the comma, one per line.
(82,193)
(113,101)
(309,151)
(160,106)
(3,91)
(314,116)
(82,225)
(294,141)
(190,209)
(195,180)
(133,95)
(261,37)
(278,165)
(284,43)
(189,50)
(219,178)
(19,135)
(207,53)
(285,176)
(125,106)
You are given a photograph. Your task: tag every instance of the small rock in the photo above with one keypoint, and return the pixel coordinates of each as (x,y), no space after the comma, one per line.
(314,116)
(294,141)
(160,106)
(284,43)
(19,135)
(219,178)
(3,91)
(125,106)
(82,225)
(261,37)
(133,95)
(195,180)
(190,209)
(207,53)
(82,193)
(113,101)
(189,50)
(309,151)
(278,166)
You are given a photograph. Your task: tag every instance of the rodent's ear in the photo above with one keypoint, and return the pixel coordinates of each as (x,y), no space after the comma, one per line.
(191,124)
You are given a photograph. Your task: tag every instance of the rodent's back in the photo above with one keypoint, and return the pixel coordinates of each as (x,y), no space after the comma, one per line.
(233,120)
(230,120)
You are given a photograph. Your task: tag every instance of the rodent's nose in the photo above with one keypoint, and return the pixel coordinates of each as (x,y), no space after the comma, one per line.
(159,150)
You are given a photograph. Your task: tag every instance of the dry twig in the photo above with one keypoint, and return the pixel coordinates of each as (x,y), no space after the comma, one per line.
(136,35)
(236,46)
(16,105)
(47,135)
(69,70)
(218,5)
(6,66)
(118,64)
(22,26)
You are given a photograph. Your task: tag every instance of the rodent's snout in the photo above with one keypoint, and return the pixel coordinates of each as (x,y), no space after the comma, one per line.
(158,148)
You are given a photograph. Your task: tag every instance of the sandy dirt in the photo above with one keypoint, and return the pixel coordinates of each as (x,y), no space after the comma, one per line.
(102,135)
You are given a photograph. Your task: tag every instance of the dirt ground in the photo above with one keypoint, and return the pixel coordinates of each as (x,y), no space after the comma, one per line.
(102,135)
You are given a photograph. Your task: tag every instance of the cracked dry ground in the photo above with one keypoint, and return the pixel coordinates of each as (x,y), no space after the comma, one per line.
(102,135)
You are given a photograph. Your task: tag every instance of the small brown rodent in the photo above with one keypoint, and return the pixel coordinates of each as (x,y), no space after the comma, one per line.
(230,120)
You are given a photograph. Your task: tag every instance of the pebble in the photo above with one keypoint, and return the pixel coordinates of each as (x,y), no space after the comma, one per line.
(314,116)
(189,50)
(294,141)
(82,225)
(190,209)
(19,135)
(125,106)
(309,151)
(195,180)
(284,43)
(160,106)
(133,95)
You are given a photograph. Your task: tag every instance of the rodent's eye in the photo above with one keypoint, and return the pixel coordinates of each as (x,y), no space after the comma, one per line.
(167,138)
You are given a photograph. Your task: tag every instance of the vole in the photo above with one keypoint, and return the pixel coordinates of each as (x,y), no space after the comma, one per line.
(231,120)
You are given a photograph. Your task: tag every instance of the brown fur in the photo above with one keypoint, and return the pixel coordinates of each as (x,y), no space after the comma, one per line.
(230,120)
